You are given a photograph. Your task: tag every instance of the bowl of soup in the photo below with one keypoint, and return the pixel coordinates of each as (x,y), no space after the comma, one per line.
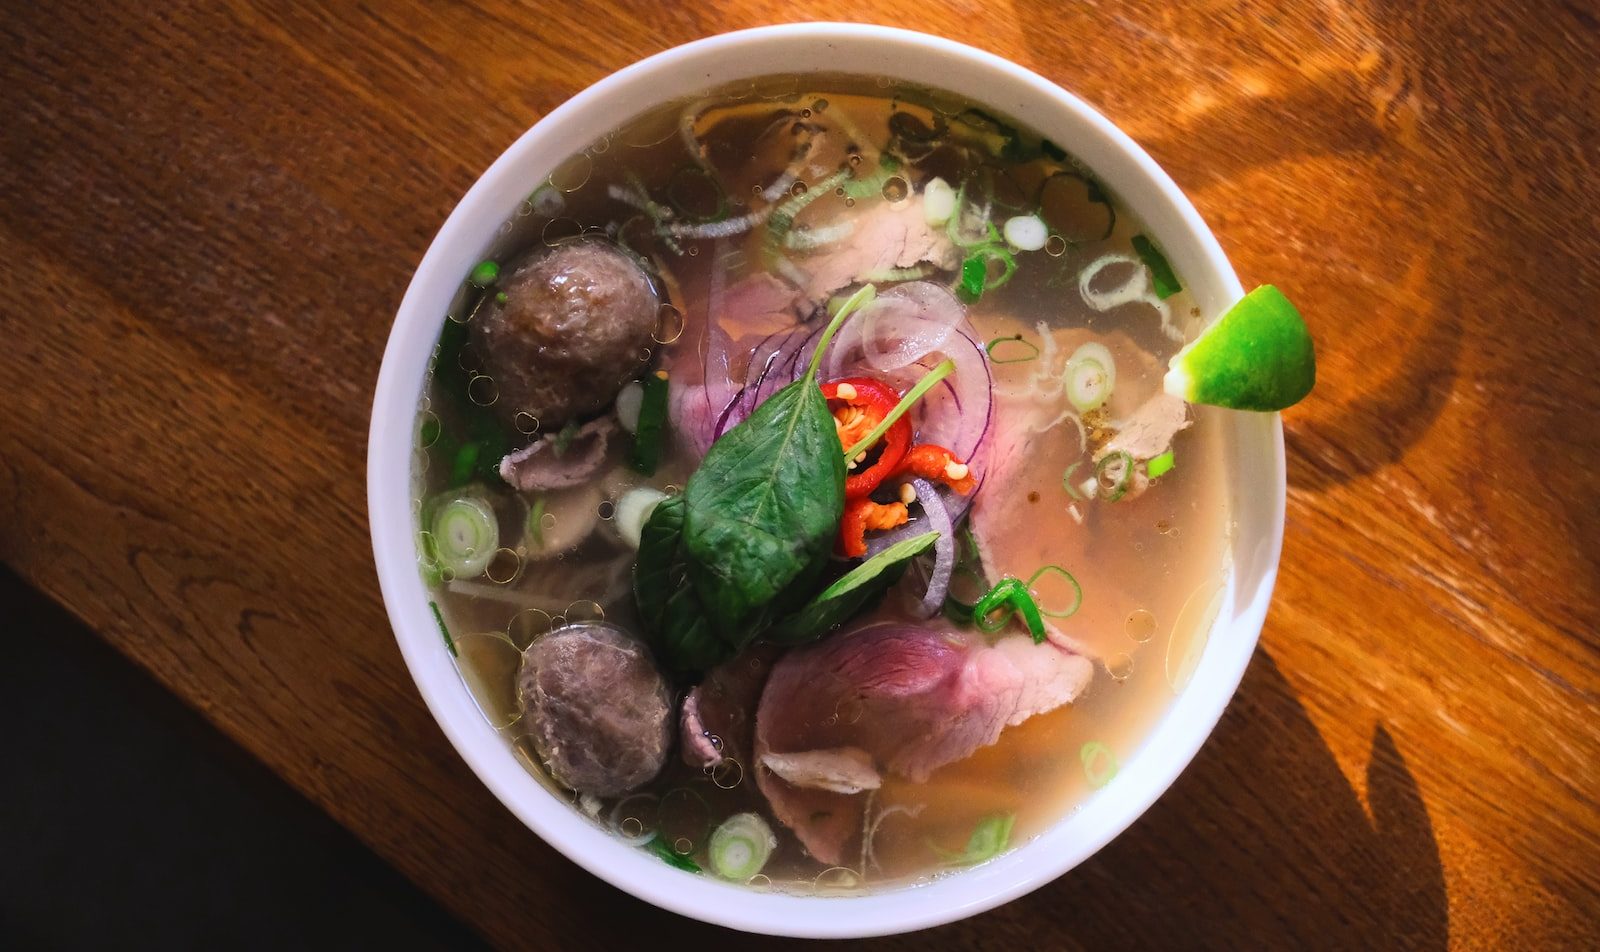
(774,493)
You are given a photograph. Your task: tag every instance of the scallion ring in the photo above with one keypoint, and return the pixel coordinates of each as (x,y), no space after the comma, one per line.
(465,533)
(741,846)
(1077,600)
(1113,474)
(1091,375)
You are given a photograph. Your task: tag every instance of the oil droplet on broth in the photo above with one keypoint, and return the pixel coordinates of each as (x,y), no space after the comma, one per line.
(572,174)
(584,610)
(504,567)
(558,230)
(527,424)
(482,390)
(1190,633)
(1119,666)
(527,626)
(488,663)
(669,325)
(1141,625)
(837,879)
(896,189)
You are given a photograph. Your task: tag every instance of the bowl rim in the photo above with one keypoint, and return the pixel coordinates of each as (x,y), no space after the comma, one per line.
(1181,728)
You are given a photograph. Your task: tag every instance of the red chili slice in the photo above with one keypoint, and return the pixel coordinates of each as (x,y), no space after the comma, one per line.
(863,405)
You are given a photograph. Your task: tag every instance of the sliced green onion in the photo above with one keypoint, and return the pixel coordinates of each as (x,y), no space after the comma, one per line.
(1028,350)
(1077,601)
(1000,604)
(1090,377)
(1159,465)
(484,274)
(1026,232)
(501,297)
(741,846)
(651,432)
(465,533)
(444,630)
(1113,474)
(945,368)
(633,511)
(1029,610)
(975,277)
(1162,277)
(1066,481)
(466,460)
(627,404)
(670,856)
(997,600)
(988,840)
(974,271)
(938,202)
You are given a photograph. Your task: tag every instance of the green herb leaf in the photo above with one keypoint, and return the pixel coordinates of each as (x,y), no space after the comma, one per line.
(855,590)
(670,856)
(763,508)
(1158,466)
(973,272)
(444,630)
(667,602)
(988,840)
(1161,275)
(651,431)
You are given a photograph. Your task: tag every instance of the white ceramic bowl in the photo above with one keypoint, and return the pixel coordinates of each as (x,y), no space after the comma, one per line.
(1253,449)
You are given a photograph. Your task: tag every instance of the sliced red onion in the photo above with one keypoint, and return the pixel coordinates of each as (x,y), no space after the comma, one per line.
(944,548)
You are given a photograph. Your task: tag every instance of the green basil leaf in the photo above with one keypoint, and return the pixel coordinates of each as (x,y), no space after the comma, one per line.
(855,590)
(763,509)
(667,601)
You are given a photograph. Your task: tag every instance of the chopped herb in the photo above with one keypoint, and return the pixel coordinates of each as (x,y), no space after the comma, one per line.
(466,461)
(429,432)
(1067,483)
(1021,351)
(651,430)
(1052,151)
(1161,275)
(1158,466)
(443,629)
(1000,604)
(973,272)
(988,840)
(1077,600)
(1113,474)
(484,274)
(670,856)
(1099,763)
(501,297)
(564,438)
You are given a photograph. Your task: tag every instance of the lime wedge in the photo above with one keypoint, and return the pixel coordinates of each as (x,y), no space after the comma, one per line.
(1257,356)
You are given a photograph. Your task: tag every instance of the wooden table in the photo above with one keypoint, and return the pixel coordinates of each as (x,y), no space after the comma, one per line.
(209,213)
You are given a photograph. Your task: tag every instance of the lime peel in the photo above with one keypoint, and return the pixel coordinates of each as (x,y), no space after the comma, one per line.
(1257,356)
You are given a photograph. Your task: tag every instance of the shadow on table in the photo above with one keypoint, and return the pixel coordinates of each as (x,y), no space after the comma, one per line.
(1262,843)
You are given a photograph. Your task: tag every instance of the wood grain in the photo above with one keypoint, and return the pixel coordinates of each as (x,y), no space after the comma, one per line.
(208,214)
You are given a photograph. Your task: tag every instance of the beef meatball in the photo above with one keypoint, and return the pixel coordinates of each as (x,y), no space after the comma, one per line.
(574,326)
(598,711)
